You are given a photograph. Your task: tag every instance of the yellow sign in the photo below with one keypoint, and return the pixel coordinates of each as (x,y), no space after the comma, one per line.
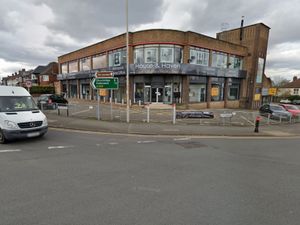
(257,97)
(102,92)
(272,91)
(214,92)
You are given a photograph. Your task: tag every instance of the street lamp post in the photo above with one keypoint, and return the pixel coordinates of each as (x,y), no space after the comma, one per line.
(127,67)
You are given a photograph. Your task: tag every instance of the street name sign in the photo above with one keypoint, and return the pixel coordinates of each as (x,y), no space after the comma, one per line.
(105,83)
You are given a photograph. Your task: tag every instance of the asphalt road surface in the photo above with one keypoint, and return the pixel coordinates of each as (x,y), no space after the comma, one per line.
(75,178)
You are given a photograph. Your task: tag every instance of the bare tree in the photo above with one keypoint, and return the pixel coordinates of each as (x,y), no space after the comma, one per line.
(279,81)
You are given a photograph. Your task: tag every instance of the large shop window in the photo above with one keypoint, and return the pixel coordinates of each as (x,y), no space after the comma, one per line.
(219,59)
(217,89)
(99,61)
(197,93)
(235,62)
(85,64)
(73,66)
(64,68)
(157,53)
(199,56)
(116,58)
(233,92)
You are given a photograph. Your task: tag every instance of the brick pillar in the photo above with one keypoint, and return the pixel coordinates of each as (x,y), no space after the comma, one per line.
(78,89)
(185,90)
(208,92)
(225,94)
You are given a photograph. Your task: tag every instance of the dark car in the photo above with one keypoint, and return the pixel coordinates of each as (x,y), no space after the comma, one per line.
(51,101)
(195,114)
(275,111)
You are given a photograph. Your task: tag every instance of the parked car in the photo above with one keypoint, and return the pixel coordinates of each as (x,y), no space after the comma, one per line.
(195,114)
(286,101)
(294,110)
(296,102)
(275,111)
(50,101)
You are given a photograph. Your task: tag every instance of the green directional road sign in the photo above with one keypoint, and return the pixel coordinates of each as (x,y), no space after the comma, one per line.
(105,83)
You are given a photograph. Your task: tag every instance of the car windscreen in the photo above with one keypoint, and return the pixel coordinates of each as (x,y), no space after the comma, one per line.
(16,103)
(277,108)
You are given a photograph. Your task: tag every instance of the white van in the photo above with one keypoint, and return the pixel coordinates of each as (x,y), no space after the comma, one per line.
(19,115)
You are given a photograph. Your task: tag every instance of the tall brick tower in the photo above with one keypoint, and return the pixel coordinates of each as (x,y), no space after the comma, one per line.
(255,38)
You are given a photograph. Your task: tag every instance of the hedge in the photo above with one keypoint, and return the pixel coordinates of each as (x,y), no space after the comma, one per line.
(294,97)
(42,90)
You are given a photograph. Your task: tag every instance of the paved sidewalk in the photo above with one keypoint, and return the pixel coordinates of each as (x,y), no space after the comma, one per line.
(54,120)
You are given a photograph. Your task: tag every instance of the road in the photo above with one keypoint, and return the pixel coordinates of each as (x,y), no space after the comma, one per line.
(86,178)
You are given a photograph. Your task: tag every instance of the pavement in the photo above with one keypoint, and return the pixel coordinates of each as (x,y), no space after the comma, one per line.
(75,123)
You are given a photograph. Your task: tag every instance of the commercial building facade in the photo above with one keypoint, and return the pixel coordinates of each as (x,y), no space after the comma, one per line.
(170,66)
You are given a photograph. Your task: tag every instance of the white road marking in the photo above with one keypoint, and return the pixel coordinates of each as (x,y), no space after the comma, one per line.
(145,142)
(59,147)
(10,150)
(113,143)
(83,111)
(150,189)
(182,139)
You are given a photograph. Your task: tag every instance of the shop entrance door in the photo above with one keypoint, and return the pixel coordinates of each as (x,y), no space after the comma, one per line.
(157,95)
(147,94)
(168,94)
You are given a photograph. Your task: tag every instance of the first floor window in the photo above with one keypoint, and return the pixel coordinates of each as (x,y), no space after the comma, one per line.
(64,68)
(45,78)
(99,61)
(296,91)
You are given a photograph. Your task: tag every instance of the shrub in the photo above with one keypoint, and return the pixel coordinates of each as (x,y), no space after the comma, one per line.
(294,97)
(42,90)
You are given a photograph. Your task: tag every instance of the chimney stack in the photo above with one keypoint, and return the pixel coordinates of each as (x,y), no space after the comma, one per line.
(295,78)
(241,31)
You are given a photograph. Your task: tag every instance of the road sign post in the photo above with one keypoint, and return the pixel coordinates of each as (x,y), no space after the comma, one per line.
(104,81)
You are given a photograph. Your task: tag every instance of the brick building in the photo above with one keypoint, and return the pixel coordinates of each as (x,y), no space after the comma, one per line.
(171,66)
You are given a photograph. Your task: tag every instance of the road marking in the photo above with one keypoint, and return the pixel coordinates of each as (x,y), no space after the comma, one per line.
(182,139)
(145,142)
(83,111)
(150,189)
(113,143)
(10,150)
(59,147)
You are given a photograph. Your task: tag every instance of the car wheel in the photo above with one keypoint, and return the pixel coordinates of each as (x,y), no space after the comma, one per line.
(2,138)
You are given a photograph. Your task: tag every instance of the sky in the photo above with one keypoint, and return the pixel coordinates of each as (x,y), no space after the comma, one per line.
(36,32)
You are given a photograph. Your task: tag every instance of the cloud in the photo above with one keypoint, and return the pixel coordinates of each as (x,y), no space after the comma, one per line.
(34,32)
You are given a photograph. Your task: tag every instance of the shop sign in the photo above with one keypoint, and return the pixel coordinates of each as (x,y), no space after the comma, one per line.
(214,92)
(102,92)
(265,91)
(272,91)
(103,74)
(257,97)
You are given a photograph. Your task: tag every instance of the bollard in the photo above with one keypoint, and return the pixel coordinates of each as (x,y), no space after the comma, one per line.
(257,124)
(148,113)
(174,114)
